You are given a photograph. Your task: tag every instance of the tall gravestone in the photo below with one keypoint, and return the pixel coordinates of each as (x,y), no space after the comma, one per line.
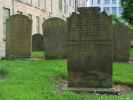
(89,49)
(37,42)
(54,30)
(121,43)
(19,30)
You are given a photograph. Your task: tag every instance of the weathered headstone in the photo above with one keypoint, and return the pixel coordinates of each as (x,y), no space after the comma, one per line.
(54,30)
(130,34)
(37,42)
(90,49)
(19,30)
(121,43)
(131,37)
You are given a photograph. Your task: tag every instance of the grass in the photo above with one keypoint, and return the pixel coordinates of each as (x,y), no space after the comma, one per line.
(123,73)
(131,51)
(39,54)
(37,80)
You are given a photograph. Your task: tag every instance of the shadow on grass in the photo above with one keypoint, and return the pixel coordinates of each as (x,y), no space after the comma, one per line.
(3,73)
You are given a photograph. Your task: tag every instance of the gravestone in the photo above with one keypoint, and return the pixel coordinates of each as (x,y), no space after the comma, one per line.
(19,30)
(89,49)
(131,37)
(130,34)
(121,43)
(54,30)
(37,42)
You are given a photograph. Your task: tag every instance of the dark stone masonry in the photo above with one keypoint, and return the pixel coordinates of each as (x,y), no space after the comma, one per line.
(90,49)
(121,43)
(54,30)
(19,31)
(37,42)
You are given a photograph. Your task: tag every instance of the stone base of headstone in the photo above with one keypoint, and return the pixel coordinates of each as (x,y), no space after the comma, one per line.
(117,89)
(130,61)
(17,57)
(122,59)
(54,55)
(108,91)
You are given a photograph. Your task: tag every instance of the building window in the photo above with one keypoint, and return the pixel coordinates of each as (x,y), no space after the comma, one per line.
(60,4)
(92,2)
(70,3)
(106,2)
(114,10)
(119,2)
(26,1)
(31,2)
(120,10)
(39,3)
(44,4)
(73,3)
(98,1)
(65,6)
(37,24)
(114,1)
(6,15)
(51,7)
(36,3)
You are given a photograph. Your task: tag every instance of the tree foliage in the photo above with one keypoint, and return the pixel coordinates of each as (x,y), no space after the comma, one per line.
(128,11)
(116,19)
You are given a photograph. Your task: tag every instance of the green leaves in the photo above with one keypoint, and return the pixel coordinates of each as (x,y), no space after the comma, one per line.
(128,10)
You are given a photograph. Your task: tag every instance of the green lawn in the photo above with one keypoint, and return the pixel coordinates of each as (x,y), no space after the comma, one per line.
(131,54)
(39,54)
(37,80)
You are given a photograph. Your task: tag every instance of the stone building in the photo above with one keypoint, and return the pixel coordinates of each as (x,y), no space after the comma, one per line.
(82,3)
(37,10)
(109,6)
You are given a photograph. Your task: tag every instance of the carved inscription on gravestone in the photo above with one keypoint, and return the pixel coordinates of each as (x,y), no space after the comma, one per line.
(19,30)
(54,30)
(89,49)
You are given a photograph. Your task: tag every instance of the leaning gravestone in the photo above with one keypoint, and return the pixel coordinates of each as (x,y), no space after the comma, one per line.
(37,42)
(19,30)
(89,49)
(121,43)
(54,30)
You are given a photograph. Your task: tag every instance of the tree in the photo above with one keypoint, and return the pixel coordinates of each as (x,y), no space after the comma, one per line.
(128,11)
(117,19)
